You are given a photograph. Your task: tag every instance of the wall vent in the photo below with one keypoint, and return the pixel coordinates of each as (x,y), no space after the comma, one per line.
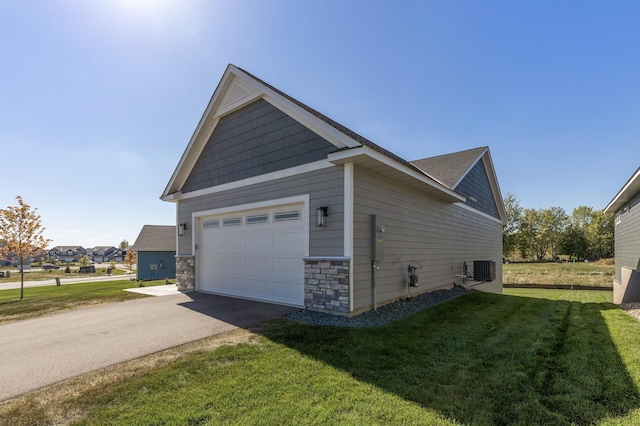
(236,94)
(484,270)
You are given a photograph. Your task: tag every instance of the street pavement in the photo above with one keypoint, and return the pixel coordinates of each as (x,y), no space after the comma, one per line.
(63,281)
(42,351)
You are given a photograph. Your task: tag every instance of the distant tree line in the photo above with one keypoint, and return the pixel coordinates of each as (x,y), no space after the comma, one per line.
(548,233)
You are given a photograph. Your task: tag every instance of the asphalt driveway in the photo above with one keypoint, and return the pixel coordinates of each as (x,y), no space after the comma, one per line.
(42,351)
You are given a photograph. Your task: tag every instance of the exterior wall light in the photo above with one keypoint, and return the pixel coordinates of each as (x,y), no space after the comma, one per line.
(182,228)
(322,213)
(161,264)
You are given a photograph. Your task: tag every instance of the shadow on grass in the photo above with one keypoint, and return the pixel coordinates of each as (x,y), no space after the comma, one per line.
(486,359)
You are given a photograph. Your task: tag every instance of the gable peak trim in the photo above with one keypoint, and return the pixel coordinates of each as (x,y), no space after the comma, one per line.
(473,164)
(237,95)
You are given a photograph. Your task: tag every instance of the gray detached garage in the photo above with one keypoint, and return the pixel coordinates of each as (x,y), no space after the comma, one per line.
(276,202)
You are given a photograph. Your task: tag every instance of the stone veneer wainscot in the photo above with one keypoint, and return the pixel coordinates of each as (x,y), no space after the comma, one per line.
(186,273)
(326,284)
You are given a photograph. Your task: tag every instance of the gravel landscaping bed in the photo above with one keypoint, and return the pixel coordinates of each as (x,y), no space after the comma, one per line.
(632,309)
(384,314)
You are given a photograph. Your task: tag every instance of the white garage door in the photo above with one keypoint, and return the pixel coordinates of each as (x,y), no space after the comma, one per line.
(254,254)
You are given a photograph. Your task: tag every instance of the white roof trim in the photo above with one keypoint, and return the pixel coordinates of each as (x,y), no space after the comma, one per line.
(344,156)
(485,156)
(315,124)
(628,191)
(235,90)
(466,172)
(495,186)
(478,212)
(280,174)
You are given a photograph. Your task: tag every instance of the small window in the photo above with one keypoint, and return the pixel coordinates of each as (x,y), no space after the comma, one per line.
(259,218)
(283,216)
(232,221)
(211,224)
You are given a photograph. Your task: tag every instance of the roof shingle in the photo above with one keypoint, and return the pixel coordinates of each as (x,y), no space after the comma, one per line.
(156,238)
(449,168)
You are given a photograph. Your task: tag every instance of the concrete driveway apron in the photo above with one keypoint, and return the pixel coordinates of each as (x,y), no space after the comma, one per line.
(42,351)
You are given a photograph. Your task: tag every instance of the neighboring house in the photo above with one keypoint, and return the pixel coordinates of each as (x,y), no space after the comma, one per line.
(155,250)
(626,206)
(67,254)
(120,254)
(279,203)
(104,254)
(12,259)
(8,259)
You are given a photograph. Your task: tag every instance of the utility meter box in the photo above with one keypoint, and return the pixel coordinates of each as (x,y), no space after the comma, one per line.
(377,238)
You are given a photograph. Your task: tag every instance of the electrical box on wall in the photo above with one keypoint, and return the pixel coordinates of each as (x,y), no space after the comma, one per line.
(377,238)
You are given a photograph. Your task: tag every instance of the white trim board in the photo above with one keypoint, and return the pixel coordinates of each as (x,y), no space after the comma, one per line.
(280,174)
(478,212)
(348,223)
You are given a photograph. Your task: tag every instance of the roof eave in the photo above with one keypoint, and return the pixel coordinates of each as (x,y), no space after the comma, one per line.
(369,157)
(215,110)
(626,194)
(495,186)
(466,172)
(189,156)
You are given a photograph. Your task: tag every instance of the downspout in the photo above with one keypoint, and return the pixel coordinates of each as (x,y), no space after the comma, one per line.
(374,302)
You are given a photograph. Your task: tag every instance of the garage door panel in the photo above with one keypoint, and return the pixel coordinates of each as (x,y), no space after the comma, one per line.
(210,282)
(255,255)
(232,242)
(233,284)
(258,288)
(232,264)
(286,242)
(258,264)
(287,291)
(211,265)
(287,266)
(216,262)
(258,243)
(211,242)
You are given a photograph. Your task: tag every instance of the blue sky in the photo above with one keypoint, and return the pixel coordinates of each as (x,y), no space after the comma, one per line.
(98,99)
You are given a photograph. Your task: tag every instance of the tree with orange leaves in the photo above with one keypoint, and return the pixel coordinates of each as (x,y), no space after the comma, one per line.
(130,260)
(21,230)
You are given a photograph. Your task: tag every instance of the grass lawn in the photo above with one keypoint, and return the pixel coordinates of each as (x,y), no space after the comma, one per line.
(526,357)
(579,273)
(51,299)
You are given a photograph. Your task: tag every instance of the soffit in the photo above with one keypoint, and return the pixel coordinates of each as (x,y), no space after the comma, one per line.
(626,194)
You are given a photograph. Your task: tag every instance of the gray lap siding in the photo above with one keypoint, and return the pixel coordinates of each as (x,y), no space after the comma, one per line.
(419,228)
(325,188)
(627,239)
(476,188)
(252,141)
